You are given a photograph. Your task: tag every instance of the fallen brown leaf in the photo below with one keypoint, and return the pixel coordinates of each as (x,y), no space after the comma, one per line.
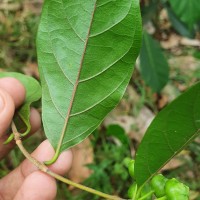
(10,6)
(173,164)
(135,127)
(31,69)
(83,155)
(190,42)
(162,102)
(177,161)
(187,64)
(172,42)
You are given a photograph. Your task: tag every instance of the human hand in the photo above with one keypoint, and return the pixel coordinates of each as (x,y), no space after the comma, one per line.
(26,182)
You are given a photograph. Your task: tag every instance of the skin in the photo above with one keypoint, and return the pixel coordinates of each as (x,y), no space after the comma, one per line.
(26,182)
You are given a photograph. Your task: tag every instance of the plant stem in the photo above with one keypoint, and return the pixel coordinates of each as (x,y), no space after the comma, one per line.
(135,193)
(162,198)
(18,141)
(138,192)
(146,195)
(45,169)
(82,187)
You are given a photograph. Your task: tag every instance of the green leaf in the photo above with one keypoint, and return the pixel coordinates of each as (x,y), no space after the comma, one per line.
(153,65)
(33,93)
(178,25)
(118,132)
(86,53)
(187,10)
(171,130)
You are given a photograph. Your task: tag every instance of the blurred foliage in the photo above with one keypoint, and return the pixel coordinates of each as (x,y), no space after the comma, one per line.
(18,27)
(153,65)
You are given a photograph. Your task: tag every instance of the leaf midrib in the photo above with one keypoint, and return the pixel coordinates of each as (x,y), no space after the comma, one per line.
(76,84)
(149,54)
(177,151)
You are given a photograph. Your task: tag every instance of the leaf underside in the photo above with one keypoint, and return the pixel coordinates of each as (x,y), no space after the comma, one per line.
(171,130)
(86,53)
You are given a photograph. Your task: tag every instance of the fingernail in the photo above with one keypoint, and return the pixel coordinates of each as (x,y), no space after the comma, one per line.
(2,102)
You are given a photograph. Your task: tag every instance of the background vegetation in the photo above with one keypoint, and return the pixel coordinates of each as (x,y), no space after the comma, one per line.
(169,63)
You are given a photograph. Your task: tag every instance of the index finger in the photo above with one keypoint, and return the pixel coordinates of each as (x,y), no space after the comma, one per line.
(14,88)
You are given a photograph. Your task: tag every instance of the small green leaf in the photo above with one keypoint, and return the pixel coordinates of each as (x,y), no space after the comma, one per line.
(117,131)
(171,130)
(153,65)
(33,93)
(86,53)
(187,10)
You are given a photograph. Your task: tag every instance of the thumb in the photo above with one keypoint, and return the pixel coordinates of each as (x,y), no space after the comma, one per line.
(7,109)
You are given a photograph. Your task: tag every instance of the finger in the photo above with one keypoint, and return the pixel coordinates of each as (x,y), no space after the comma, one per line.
(35,121)
(37,186)
(6,111)
(12,91)
(44,152)
(14,88)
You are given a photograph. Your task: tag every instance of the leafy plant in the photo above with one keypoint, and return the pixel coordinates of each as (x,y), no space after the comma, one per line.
(86,59)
